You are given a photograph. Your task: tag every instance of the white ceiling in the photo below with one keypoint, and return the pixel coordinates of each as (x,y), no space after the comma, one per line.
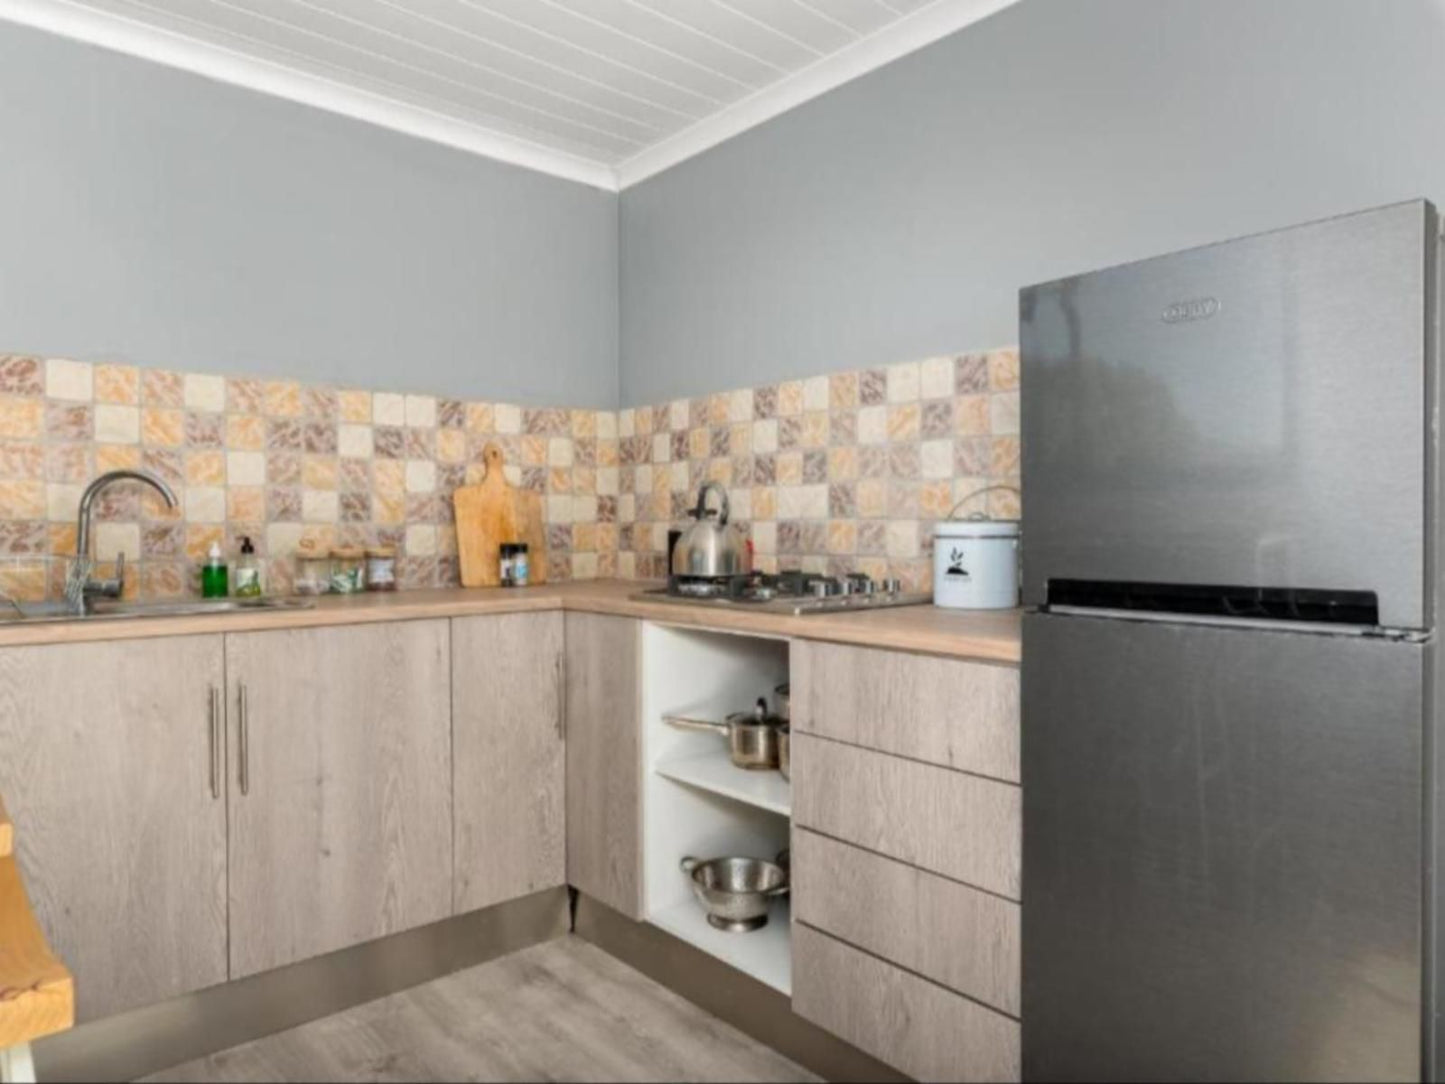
(607,92)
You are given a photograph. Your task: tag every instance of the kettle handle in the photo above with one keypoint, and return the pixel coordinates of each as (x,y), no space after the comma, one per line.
(701,510)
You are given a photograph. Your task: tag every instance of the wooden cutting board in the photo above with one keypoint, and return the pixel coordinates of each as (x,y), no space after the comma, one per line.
(492,513)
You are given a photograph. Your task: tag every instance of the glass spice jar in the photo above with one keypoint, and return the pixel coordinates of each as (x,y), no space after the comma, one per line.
(348,570)
(381,569)
(313,571)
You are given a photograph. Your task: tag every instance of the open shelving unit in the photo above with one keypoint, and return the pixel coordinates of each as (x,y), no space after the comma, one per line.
(696,802)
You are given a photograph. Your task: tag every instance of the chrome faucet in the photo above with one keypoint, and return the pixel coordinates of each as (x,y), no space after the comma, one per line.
(79,586)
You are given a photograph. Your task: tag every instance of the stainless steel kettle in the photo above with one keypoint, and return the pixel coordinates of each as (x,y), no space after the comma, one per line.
(711,546)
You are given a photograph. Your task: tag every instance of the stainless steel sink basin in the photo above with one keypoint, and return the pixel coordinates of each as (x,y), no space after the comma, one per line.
(107,610)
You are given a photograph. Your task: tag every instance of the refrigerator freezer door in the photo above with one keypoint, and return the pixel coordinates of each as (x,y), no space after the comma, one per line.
(1222,841)
(1246,414)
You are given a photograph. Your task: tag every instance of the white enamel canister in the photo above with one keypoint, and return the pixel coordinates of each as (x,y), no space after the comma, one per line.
(976,564)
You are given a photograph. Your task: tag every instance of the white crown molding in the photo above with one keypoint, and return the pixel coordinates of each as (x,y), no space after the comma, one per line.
(227,66)
(912,32)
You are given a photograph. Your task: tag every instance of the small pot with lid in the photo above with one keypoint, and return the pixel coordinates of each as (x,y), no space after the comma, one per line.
(752,735)
(711,547)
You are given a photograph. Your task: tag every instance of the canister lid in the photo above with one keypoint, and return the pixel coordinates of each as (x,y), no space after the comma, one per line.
(976,528)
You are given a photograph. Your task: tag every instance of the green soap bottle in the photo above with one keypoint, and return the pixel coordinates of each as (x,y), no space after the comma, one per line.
(213,574)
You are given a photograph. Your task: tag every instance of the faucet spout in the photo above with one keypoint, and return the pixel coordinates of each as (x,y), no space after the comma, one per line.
(79,585)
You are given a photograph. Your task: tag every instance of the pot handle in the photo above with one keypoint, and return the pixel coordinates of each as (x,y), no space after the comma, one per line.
(774,893)
(700,512)
(694,724)
(689,864)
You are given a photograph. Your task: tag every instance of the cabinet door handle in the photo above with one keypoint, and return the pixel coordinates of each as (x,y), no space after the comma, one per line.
(243,730)
(215,742)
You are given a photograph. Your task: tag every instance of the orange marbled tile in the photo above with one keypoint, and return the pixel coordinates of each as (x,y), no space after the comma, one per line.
(765,502)
(245,432)
(21,418)
(388,477)
(388,510)
(1003,504)
(903,421)
(319,472)
(117,384)
(843,391)
(24,581)
(282,398)
(163,427)
(205,468)
(60,539)
(162,579)
(1004,459)
(246,504)
(319,537)
(162,389)
(815,429)
(1003,370)
(584,481)
(22,500)
(872,497)
(606,536)
(584,537)
(790,469)
(842,464)
(559,480)
(699,443)
(452,445)
(116,457)
(584,423)
(720,470)
(354,406)
(480,418)
(154,507)
(534,451)
(935,499)
(717,408)
(842,536)
(740,438)
(790,398)
(971,415)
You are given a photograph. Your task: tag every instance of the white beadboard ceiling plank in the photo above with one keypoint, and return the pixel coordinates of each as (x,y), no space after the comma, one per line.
(435,78)
(678,38)
(329,29)
(476,106)
(860,16)
(585,32)
(734,30)
(819,32)
(600,68)
(409,23)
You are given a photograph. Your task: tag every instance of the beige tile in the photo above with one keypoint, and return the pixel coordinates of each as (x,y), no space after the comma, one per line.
(902,538)
(116,424)
(873,425)
(816,393)
(421,540)
(904,382)
(936,457)
(355,441)
(320,505)
(1004,413)
(559,452)
(421,411)
(246,468)
(62,501)
(765,436)
(936,378)
(421,476)
(69,379)
(207,393)
(117,384)
(557,509)
(205,504)
(112,539)
(354,406)
(388,408)
(507,418)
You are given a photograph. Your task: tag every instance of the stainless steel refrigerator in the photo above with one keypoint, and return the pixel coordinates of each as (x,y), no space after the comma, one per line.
(1231,471)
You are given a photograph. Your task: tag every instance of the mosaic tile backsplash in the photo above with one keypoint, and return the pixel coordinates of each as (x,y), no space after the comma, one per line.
(838,472)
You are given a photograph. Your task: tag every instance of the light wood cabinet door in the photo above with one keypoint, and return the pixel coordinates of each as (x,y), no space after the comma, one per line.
(508,757)
(604,760)
(106,767)
(341,788)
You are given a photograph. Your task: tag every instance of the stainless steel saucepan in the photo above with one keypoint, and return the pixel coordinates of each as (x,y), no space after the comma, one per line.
(752,735)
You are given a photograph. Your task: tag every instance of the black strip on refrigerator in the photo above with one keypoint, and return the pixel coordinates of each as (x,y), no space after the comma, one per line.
(1209,600)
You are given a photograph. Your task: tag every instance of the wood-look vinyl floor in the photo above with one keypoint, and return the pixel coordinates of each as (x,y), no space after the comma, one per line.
(564,1011)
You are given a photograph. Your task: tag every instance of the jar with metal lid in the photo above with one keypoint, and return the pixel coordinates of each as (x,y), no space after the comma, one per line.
(381,569)
(313,571)
(348,570)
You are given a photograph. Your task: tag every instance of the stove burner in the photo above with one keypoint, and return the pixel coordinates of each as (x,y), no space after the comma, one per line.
(789,592)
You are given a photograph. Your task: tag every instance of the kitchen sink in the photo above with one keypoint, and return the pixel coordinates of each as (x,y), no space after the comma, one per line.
(108,610)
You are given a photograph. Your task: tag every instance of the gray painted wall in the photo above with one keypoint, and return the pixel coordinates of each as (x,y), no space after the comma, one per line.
(154,216)
(896,217)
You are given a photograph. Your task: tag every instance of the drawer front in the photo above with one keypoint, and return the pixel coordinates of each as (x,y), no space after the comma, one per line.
(913,1025)
(945,931)
(948,822)
(958,714)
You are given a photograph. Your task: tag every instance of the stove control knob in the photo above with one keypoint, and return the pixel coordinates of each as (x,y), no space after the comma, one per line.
(861,583)
(820,588)
(892,586)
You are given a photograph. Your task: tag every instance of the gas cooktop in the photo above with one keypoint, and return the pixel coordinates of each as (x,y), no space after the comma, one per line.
(787,592)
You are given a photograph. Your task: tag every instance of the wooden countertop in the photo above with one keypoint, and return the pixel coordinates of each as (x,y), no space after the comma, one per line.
(37,994)
(986,635)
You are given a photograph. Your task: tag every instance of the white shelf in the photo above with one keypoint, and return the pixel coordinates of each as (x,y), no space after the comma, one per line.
(717,773)
(765,954)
